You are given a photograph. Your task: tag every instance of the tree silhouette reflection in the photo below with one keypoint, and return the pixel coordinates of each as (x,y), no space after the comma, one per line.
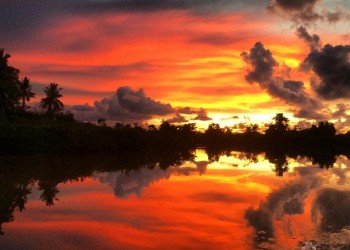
(13,196)
(17,178)
(279,159)
(49,192)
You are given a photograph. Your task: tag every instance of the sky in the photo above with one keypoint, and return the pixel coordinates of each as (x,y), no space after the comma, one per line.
(204,61)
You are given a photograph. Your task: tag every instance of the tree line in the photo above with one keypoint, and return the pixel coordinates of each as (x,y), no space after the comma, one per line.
(23,130)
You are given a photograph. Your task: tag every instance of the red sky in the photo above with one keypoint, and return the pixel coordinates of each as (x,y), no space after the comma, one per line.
(182,54)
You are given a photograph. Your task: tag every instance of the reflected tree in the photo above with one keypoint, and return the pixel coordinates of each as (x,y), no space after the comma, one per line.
(49,193)
(12,196)
(279,159)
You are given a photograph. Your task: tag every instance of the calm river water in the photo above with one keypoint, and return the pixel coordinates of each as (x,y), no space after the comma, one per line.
(232,201)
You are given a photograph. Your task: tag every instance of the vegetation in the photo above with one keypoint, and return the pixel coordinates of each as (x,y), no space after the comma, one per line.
(55,135)
(51,102)
(23,131)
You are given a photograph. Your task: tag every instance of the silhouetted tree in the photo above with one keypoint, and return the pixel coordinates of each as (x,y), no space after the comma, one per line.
(51,102)
(9,86)
(279,128)
(25,91)
(166,127)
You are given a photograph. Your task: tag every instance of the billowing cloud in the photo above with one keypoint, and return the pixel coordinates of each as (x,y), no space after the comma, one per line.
(332,66)
(137,102)
(125,105)
(133,182)
(262,65)
(202,115)
(125,184)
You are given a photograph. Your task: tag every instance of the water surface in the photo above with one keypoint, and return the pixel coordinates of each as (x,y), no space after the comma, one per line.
(234,200)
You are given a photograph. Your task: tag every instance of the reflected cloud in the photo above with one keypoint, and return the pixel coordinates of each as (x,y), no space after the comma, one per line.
(330,205)
(333,207)
(127,183)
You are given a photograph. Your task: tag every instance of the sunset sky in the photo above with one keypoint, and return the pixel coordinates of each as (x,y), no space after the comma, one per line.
(224,61)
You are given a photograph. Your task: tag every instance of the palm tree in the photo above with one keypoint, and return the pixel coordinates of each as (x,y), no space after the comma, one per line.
(25,91)
(51,102)
(9,91)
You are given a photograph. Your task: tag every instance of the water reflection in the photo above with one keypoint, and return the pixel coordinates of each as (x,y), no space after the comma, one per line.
(226,200)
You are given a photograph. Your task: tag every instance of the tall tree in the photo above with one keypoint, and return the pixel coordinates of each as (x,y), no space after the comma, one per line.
(25,91)
(51,102)
(280,126)
(9,86)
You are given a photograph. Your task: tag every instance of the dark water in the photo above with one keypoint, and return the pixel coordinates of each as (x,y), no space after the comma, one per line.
(232,201)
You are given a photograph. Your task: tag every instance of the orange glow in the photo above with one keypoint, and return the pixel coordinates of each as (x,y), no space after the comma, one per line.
(191,60)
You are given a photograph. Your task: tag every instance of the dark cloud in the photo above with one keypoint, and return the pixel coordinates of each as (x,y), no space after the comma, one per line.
(137,102)
(299,11)
(295,4)
(198,7)
(262,66)
(126,105)
(332,66)
(310,114)
(178,118)
(313,41)
(202,115)
(305,11)
(342,108)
